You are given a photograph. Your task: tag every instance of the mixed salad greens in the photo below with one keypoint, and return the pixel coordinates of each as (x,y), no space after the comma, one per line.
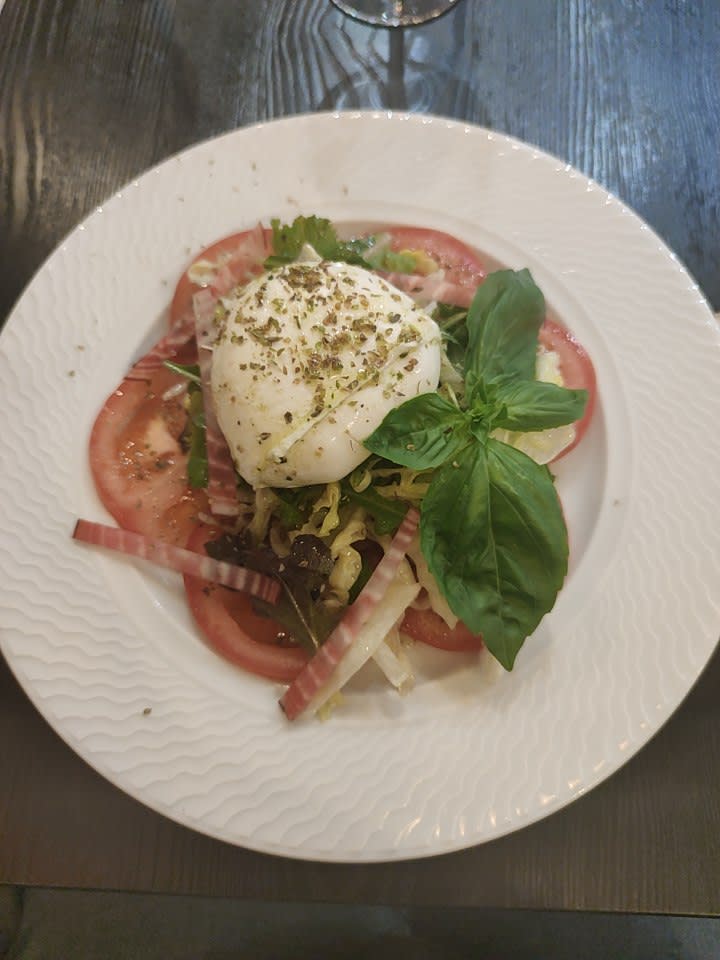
(492,531)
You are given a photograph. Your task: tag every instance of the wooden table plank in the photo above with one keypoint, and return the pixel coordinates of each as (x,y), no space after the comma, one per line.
(623,92)
(92,94)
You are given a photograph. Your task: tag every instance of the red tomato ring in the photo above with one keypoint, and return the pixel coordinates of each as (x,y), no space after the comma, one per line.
(233,630)
(139,469)
(159,502)
(460,262)
(463,267)
(426,626)
(577,371)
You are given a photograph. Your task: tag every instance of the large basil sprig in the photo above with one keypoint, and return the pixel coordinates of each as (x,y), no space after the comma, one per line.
(491,528)
(494,538)
(503,325)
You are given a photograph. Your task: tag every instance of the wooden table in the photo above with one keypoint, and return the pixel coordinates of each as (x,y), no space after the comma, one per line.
(91,95)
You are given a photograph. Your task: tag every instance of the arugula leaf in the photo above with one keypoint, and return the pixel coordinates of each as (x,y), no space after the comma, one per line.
(304,573)
(528,405)
(421,433)
(197,451)
(294,504)
(288,241)
(493,535)
(387,512)
(453,327)
(193,438)
(189,370)
(503,321)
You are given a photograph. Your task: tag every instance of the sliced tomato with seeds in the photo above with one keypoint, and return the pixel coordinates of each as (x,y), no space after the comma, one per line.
(137,461)
(462,266)
(576,368)
(232,628)
(139,465)
(426,626)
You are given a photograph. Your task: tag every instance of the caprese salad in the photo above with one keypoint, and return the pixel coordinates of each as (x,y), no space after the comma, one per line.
(342,443)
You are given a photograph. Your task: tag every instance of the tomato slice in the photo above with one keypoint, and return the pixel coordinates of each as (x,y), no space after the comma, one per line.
(241,253)
(461,264)
(234,630)
(137,463)
(140,469)
(464,268)
(426,626)
(576,368)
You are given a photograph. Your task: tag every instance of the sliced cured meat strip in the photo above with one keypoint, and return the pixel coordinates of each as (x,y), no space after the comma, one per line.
(319,670)
(177,558)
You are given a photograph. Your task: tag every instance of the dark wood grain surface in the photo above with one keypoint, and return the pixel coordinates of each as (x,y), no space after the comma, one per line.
(93,93)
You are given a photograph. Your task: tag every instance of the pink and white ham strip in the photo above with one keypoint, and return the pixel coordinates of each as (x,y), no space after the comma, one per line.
(163,350)
(319,669)
(239,268)
(222,482)
(178,558)
(198,322)
(434,287)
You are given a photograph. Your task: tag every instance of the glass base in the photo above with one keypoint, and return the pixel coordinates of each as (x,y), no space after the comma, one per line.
(394,13)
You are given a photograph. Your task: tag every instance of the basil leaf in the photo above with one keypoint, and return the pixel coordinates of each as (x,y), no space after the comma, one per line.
(420,433)
(503,321)
(193,438)
(528,405)
(493,535)
(288,241)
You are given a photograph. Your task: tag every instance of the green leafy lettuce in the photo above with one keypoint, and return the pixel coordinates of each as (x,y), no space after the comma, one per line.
(289,239)
(302,574)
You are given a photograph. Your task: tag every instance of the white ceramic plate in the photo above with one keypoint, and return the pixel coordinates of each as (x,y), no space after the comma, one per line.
(470,755)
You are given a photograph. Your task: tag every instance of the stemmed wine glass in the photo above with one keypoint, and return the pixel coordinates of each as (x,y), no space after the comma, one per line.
(395,13)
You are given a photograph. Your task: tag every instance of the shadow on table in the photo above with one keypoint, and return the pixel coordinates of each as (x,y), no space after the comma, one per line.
(43,924)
